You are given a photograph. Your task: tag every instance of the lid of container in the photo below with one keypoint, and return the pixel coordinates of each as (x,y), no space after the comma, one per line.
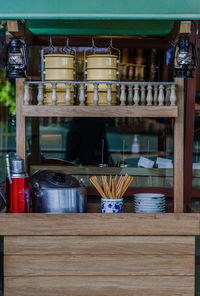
(50,179)
(17,166)
(62,55)
(102,56)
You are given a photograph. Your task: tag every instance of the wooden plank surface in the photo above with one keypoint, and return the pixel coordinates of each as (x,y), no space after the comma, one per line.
(99,245)
(179,149)
(107,265)
(100,111)
(100,224)
(99,286)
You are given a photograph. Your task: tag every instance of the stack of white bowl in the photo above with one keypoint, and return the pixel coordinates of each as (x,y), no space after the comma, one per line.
(149,203)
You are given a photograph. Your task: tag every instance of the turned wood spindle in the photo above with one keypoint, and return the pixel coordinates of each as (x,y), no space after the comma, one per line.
(173,95)
(54,94)
(155,96)
(123,95)
(149,95)
(40,96)
(26,94)
(82,94)
(168,92)
(96,94)
(68,94)
(136,97)
(130,94)
(143,99)
(161,97)
(109,95)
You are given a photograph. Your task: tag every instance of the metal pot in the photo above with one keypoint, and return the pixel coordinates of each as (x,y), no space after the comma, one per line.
(54,192)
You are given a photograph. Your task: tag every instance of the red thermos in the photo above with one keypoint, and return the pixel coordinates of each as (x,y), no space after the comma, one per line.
(17,186)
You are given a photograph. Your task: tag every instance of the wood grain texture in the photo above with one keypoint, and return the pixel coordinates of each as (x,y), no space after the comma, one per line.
(99,245)
(179,149)
(107,265)
(100,224)
(99,286)
(100,111)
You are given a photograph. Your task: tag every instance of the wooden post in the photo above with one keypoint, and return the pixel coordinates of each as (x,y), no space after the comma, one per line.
(20,120)
(179,149)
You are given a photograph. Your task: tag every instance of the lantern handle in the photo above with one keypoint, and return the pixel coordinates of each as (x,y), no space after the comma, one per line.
(195,65)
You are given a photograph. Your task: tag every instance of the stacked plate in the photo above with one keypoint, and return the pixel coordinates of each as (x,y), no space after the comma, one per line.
(149,203)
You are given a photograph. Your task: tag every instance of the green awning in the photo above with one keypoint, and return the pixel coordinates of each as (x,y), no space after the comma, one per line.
(91,27)
(100,9)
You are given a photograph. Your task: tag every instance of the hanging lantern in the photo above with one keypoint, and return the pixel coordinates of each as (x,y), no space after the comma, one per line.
(16,58)
(183,59)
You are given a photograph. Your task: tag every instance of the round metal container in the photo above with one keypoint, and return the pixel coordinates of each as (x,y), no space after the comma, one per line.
(102,98)
(60,200)
(102,74)
(56,192)
(101,87)
(59,74)
(61,61)
(59,87)
(60,98)
(101,61)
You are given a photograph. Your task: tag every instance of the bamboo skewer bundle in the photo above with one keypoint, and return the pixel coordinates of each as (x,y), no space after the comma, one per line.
(112,189)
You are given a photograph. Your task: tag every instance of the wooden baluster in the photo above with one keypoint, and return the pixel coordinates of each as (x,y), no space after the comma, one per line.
(124,71)
(155,97)
(40,96)
(161,97)
(130,94)
(96,94)
(26,94)
(136,98)
(68,94)
(149,95)
(109,94)
(54,95)
(173,95)
(123,95)
(143,99)
(137,70)
(82,94)
(167,98)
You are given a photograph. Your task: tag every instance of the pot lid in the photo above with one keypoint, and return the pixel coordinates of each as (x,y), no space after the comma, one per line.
(50,179)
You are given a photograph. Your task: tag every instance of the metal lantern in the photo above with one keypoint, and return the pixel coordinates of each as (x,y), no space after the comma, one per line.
(183,59)
(16,58)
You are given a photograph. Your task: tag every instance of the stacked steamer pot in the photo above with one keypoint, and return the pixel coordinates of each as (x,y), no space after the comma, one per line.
(102,67)
(58,67)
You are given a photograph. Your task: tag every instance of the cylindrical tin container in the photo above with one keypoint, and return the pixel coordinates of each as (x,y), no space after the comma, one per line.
(17,187)
(59,74)
(56,192)
(59,61)
(101,67)
(102,61)
(58,67)
(102,74)
(60,98)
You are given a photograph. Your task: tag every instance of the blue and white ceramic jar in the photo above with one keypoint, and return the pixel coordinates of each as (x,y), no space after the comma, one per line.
(112,205)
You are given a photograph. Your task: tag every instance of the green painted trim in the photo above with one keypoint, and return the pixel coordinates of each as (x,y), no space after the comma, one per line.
(90,27)
(177,16)
(100,9)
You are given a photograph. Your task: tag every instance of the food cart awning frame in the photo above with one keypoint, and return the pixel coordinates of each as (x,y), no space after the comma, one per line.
(103,17)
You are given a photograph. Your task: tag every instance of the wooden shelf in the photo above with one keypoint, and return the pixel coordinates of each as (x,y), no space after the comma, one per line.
(99,111)
(100,224)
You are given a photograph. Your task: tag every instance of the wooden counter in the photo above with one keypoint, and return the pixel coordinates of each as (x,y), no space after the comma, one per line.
(100,254)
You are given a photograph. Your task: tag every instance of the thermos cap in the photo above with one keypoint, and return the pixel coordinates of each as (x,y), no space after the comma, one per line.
(17,166)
